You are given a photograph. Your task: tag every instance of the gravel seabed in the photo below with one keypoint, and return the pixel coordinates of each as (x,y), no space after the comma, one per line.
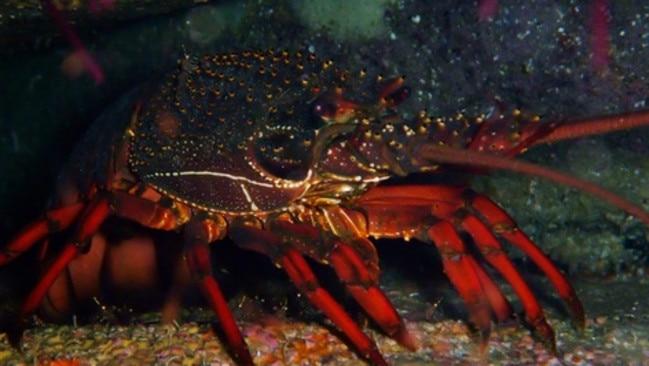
(617,333)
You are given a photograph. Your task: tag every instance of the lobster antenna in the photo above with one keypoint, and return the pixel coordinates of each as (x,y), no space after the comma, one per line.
(595,126)
(449,155)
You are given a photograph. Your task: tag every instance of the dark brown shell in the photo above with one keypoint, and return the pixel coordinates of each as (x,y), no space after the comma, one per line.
(224,128)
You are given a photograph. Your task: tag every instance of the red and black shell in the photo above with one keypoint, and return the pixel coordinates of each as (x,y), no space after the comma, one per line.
(234,133)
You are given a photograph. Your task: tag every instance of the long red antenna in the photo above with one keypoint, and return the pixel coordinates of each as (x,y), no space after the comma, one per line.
(595,126)
(449,155)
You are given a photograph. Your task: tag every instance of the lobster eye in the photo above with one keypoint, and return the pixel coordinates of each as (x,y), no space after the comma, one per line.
(283,147)
(283,154)
(324,109)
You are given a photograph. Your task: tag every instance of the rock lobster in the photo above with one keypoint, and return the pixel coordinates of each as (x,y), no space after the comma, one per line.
(292,157)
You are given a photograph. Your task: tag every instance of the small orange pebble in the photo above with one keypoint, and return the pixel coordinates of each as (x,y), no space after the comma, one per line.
(208,335)
(65,363)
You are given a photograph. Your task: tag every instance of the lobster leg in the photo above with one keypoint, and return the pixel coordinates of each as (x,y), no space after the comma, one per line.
(148,213)
(417,206)
(350,269)
(299,272)
(460,266)
(493,253)
(356,264)
(90,221)
(198,234)
(55,220)
(447,207)
(302,276)
(504,226)
(499,304)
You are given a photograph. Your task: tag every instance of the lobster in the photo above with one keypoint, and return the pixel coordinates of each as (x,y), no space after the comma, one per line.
(291,156)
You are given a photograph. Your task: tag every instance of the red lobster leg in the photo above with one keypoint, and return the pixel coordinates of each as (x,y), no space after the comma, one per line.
(149,214)
(55,220)
(90,221)
(302,276)
(493,253)
(460,266)
(499,305)
(197,236)
(356,264)
(505,226)
(351,270)
(299,272)
(446,207)
(410,208)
